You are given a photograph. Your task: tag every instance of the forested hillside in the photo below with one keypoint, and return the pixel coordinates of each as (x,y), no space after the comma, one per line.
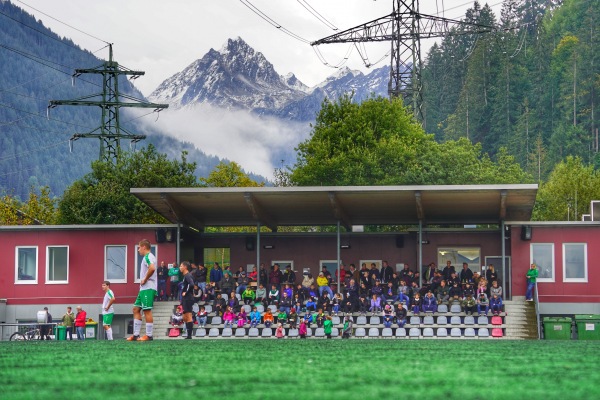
(531,87)
(36,66)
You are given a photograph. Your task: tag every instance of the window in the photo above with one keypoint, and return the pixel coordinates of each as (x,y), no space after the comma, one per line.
(369,262)
(283,264)
(542,255)
(330,264)
(57,264)
(115,264)
(26,264)
(575,262)
(138,261)
(459,255)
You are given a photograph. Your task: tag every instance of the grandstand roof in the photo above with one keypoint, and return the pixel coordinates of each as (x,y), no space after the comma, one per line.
(351,205)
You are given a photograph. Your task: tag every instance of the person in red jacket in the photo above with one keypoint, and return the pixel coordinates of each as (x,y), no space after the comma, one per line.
(80,320)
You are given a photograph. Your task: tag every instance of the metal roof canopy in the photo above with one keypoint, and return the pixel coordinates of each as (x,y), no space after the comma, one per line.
(350,205)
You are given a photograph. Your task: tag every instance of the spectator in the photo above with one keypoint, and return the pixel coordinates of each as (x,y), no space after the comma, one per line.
(328,326)
(416,303)
(46,328)
(201,317)
(200,277)
(219,305)
(268,318)
(68,320)
(374,272)
(324,302)
(253,275)
(448,270)
(227,271)
(442,293)
(162,273)
(347,329)
(323,284)
(363,304)
(248,296)
(261,294)
(469,305)
(495,290)
(209,294)
(456,294)
(531,276)
(319,318)
(289,276)
(336,303)
(233,302)
(80,320)
(289,290)
(403,292)
(375,304)
(274,295)
(302,329)
(308,281)
(466,275)
(355,273)
(311,304)
(241,318)
(429,303)
(228,318)
(275,276)
(496,304)
(227,284)
(254,317)
(326,273)
(174,275)
(242,283)
(491,275)
(285,304)
(377,290)
(482,287)
(365,279)
(342,274)
(281,317)
(262,275)
(292,318)
(482,302)
(387,272)
(390,293)
(279,333)
(468,290)
(401,315)
(388,316)
(216,275)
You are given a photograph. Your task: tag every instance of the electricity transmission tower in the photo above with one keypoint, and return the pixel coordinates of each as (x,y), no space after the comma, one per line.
(404,28)
(110,102)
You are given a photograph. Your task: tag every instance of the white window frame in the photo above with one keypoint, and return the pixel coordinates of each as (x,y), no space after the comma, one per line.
(531,261)
(56,282)
(283,263)
(585,263)
(112,280)
(137,261)
(378,264)
(37,258)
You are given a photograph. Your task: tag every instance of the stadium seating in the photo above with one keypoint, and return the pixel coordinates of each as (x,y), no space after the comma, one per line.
(335,332)
(483,333)
(455,332)
(469,320)
(455,308)
(200,332)
(401,333)
(247,308)
(240,332)
(373,332)
(238,296)
(225,296)
(469,332)
(482,320)
(428,320)
(361,320)
(216,321)
(208,308)
(335,320)
(442,320)
(253,332)
(455,320)
(293,333)
(273,308)
(428,332)
(442,308)
(496,320)
(497,332)
(375,321)
(319,332)
(213,332)
(360,332)
(260,308)
(227,332)
(415,321)
(267,332)
(414,332)
(442,332)
(387,332)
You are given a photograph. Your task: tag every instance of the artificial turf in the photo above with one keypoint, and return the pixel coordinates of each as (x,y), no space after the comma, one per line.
(301,369)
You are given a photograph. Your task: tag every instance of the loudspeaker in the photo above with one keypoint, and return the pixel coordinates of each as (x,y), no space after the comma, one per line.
(161,235)
(526,232)
(250,243)
(400,241)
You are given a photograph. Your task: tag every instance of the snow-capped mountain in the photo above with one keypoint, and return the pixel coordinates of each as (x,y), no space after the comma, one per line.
(238,77)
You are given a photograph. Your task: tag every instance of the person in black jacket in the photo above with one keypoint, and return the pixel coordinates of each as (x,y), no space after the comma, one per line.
(187,297)
(219,304)
(289,276)
(401,315)
(162,274)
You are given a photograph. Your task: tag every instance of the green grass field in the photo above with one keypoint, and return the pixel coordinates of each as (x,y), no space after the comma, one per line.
(301,369)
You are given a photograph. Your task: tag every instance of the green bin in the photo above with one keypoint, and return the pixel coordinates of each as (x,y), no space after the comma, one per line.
(557,328)
(588,327)
(91,331)
(60,332)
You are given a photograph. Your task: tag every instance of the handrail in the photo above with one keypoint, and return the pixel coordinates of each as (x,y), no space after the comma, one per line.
(537,311)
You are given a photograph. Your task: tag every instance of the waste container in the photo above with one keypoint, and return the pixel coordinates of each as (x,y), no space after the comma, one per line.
(60,332)
(557,328)
(91,330)
(588,327)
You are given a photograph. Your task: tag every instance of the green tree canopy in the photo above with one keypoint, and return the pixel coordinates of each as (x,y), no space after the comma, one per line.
(568,192)
(102,196)
(39,208)
(228,175)
(379,143)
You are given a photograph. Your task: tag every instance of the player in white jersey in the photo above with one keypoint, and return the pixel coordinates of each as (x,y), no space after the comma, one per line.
(107,309)
(145,299)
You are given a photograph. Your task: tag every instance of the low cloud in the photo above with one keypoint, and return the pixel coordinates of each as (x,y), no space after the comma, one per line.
(258,144)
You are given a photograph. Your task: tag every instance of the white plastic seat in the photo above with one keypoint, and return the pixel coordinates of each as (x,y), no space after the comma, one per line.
(483,333)
(455,320)
(319,332)
(216,321)
(442,332)
(335,320)
(361,320)
(227,332)
(253,332)
(469,332)
(360,332)
(267,332)
(442,320)
(442,308)
(469,320)
(240,332)
(213,332)
(387,332)
(401,332)
(428,332)
(260,308)
(309,332)
(200,332)
(247,308)
(293,333)
(335,332)
(208,308)
(428,320)
(415,321)
(373,332)
(455,332)
(272,307)
(225,296)
(374,321)
(482,320)
(455,308)
(414,332)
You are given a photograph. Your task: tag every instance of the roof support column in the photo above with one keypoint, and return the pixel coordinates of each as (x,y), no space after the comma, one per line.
(420,261)
(178,245)
(257,255)
(504,283)
(339,245)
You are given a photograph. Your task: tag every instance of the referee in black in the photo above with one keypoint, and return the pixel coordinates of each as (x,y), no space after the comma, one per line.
(187,297)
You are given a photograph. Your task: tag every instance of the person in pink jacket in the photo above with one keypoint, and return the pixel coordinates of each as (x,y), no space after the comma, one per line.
(279,332)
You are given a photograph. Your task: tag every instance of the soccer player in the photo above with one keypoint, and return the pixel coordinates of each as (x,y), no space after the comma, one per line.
(187,297)
(145,298)
(108,311)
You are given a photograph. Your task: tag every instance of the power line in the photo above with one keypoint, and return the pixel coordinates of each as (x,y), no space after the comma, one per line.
(317,15)
(15,156)
(64,23)
(272,22)
(41,116)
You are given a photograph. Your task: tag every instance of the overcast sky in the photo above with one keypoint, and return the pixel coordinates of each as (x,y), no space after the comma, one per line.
(163,37)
